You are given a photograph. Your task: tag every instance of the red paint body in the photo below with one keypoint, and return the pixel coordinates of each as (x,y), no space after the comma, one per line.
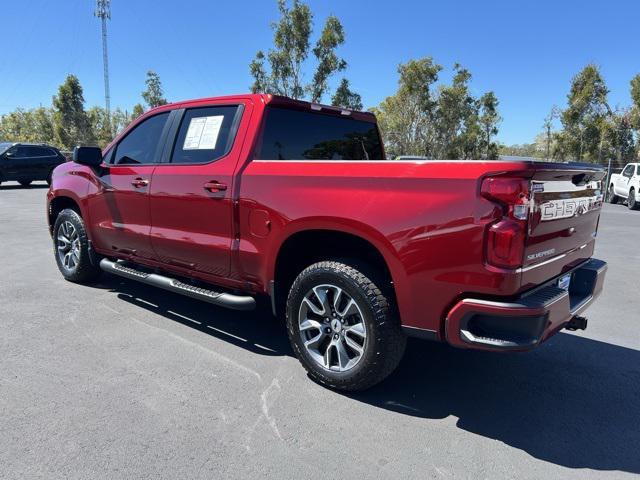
(427,219)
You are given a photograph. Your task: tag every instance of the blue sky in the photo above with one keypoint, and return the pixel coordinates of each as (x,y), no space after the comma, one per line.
(526,52)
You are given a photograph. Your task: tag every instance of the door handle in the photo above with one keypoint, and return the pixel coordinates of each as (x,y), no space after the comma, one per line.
(140,182)
(214,186)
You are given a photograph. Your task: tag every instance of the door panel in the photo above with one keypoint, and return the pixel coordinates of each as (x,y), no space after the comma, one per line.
(119,211)
(191,196)
(20,164)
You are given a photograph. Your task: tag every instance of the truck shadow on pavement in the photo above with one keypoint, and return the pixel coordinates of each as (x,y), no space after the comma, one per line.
(574,402)
(257,331)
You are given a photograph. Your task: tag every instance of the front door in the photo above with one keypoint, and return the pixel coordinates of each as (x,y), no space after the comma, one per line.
(191,194)
(120,219)
(19,163)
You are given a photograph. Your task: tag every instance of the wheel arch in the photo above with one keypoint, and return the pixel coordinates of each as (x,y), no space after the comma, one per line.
(58,204)
(304,247)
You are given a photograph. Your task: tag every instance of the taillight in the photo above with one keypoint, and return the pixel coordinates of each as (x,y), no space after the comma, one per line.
(506,237)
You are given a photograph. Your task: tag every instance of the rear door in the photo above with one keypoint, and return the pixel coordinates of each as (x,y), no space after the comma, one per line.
(566,203)
(43,160)
(119,212)
(191,199)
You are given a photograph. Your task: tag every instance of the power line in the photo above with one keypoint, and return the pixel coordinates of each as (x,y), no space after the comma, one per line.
(103,12)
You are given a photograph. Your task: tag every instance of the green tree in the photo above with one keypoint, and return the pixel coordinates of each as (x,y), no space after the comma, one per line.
(100,125)
(586,114)
(455,107)
(489,119)
(153,95)
(28,126)
(103,129)
(407,117)
(138,110)
(635,108)
(292,41)
(70,121)
(329,63)
(345,98)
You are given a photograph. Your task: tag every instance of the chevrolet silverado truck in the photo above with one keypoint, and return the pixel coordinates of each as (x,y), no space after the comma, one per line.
(232,198)
(626,186)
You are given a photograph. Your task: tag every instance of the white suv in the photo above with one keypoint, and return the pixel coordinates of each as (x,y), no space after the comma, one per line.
(626,185)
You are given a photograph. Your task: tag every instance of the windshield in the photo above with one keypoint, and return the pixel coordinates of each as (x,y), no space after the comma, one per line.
(4,146)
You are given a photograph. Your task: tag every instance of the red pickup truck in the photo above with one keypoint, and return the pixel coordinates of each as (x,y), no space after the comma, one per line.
(227,199)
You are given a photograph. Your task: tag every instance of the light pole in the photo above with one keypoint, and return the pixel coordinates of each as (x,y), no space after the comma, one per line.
(103,12)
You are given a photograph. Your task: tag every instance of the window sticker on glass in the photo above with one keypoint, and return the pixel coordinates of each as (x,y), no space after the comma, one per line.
(203,133)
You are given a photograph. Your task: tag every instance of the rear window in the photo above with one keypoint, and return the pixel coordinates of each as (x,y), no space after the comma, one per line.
(298,135)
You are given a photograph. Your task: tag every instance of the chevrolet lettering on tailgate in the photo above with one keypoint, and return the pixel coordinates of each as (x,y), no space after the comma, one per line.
(569,207)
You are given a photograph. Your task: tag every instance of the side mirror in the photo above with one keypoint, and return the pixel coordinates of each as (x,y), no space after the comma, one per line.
(90,156)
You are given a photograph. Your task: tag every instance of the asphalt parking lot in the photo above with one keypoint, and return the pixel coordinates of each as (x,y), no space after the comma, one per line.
(119,380)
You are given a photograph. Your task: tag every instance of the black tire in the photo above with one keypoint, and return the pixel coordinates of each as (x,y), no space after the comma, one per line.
(613,198)
(82,271)
(24,183)
(49,177)
(632,203)
(385,342)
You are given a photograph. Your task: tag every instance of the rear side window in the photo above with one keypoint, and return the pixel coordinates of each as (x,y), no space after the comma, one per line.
(41,152)
(206,134)
(298,135)
(141,144)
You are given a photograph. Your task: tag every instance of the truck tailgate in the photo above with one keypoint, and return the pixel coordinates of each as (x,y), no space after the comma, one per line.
(564,213)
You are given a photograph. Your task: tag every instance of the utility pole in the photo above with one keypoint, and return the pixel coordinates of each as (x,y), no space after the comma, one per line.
(103,12)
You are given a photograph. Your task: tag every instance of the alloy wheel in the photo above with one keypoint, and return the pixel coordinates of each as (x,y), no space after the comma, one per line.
(68,245)
(332,328)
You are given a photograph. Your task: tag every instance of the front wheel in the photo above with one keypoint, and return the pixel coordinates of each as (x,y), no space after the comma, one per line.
(24,183)
(613,198)
(343,328)
(71,248)
(632,203)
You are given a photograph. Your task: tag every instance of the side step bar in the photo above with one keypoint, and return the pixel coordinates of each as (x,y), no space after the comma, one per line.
(228,300)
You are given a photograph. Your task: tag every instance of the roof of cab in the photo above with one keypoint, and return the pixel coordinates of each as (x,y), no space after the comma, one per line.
(276,100)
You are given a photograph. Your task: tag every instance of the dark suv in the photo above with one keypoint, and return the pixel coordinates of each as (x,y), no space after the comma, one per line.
(28,162)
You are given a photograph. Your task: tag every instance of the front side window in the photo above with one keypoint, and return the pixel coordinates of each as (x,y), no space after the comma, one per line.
(21,152)
(206,134)
(141,144)
(299,135)
(628,171)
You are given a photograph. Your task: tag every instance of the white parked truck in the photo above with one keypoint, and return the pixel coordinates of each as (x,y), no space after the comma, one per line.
(626,185)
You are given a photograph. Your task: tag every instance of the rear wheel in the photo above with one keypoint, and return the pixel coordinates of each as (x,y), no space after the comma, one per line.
(632,203)
(343,328)
(613,198)
(71,248)
(24,183)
